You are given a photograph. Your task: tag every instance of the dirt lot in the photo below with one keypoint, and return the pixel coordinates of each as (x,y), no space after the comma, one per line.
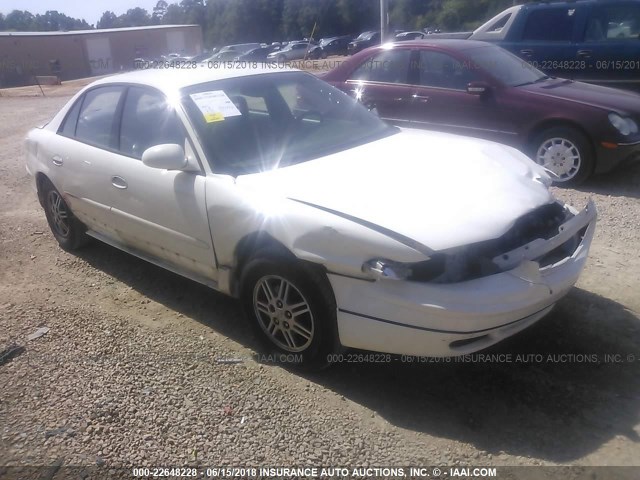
(133,368)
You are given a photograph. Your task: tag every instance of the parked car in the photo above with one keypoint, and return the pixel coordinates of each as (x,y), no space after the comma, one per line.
(335,45)
(475,88)
(256,55)
(364,40)
(404,36)
(335,231)
(588,40)
(230,52)
(296,51)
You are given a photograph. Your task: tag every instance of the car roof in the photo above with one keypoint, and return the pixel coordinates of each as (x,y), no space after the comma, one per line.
(452,44)
(564,3)
(171,80)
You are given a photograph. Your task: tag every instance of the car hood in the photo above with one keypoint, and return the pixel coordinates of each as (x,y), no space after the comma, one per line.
(587,94)
(437,189)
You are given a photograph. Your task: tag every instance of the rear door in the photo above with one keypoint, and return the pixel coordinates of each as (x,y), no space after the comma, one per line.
(84,149)
(610,43)
(382,81)
(546,39)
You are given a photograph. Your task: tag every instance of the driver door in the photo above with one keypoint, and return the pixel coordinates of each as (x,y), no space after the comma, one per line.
(159,212)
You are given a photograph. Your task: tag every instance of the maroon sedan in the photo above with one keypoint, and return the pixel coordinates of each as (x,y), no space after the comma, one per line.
(478,89)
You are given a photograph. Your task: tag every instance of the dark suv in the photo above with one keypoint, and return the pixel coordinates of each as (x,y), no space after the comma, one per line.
(590,40)
(364,40)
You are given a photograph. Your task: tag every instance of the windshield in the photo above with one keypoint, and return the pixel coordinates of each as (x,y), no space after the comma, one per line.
(365,36)
(260,122)
(504,66)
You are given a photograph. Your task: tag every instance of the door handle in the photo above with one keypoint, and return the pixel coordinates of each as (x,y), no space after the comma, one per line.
(118,182)
(585,53)
(57,160)
(527,52)
(420,98)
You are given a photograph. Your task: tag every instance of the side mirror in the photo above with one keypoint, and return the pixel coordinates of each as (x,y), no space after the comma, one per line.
(478,88)
(168,156)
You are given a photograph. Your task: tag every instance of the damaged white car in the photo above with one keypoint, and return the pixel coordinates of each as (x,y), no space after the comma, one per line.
(333,229)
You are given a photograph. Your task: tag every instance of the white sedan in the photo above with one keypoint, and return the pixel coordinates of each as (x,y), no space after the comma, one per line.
(333,229)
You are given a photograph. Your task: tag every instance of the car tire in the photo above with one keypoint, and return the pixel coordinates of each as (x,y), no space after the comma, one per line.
(292,309)
(324,55)
(282,58)
(565,151)
(66,228)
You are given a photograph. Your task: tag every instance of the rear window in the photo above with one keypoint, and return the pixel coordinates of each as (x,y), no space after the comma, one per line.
(68,127)
(97,117)
(614,23)
(550,25)
(391,66)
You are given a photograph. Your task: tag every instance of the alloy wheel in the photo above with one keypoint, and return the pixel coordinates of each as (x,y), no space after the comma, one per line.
(561,157)
(59,213)
(283,313)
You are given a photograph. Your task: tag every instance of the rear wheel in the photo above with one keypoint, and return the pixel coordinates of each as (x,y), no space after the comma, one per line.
(66,228)
(564,151)
(292,309)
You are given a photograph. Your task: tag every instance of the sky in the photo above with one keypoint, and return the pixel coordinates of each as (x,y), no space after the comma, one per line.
(90,10)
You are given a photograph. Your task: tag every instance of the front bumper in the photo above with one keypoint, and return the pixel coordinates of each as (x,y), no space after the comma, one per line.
(445,320)
(610,158)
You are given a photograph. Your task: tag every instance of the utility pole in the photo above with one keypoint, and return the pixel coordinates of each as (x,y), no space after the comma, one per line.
(384,20)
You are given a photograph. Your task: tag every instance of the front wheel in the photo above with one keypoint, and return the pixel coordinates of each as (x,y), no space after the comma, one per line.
(292,309)
(566,153)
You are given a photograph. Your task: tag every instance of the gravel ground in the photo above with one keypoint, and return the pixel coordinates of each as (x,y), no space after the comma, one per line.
(134,369)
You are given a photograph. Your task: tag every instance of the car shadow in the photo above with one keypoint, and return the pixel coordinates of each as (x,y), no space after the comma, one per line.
(621,182)
(556,392)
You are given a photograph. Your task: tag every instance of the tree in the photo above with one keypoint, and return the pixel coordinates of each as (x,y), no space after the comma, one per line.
(108,20)
(159,11)
(19,20)
(2,27)
(53,20)
(135,17)
(174,15)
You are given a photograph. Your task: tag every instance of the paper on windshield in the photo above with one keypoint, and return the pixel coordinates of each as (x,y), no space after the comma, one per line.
(215,105)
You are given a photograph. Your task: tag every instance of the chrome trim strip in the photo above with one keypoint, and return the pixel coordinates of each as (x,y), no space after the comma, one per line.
(435,330)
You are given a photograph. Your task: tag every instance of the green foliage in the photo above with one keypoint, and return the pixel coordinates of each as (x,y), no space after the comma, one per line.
(135,17)
(236,21)
(19,20)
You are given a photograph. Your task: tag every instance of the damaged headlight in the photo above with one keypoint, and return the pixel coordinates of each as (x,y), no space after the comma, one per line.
(382,268)
(439,268)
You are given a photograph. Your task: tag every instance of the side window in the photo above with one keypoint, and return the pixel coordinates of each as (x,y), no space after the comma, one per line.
(550,25)
(68,127)
(389,67)
(621,22)
(500,23)
(97,117)
(148,120)
(440,70)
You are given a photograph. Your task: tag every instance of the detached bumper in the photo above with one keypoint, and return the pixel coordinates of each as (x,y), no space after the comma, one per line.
(610,158)
(457,319)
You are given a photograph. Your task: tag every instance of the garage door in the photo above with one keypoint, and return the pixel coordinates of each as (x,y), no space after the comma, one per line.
(99,53)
